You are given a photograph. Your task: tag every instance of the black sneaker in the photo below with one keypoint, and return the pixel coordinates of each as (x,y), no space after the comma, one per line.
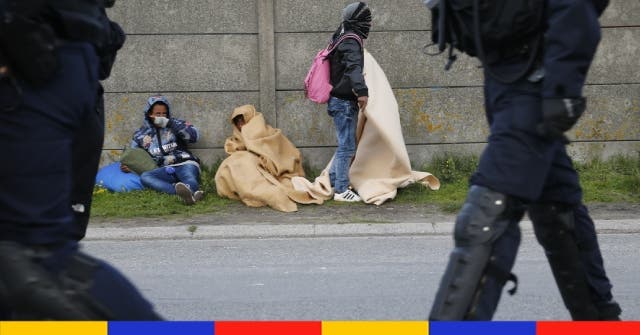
(609,310)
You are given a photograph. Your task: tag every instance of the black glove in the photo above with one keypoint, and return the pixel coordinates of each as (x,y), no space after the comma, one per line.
(559,115)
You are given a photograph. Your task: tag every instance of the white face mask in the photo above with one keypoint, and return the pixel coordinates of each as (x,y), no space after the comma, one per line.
(160,121)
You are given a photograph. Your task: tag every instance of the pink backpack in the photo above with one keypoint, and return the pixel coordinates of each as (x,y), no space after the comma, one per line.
(317,84)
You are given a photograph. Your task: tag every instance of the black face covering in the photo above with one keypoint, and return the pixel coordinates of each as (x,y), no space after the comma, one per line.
(357,17)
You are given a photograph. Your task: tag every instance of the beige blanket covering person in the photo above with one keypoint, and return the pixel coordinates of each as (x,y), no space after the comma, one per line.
(260,165)
(381,164)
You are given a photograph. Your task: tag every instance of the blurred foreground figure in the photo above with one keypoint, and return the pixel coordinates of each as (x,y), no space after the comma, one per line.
(536,55)
(52,55)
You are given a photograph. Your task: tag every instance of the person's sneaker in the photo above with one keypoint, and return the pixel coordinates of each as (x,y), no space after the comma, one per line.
(184,192)
(347,196)
(198,195)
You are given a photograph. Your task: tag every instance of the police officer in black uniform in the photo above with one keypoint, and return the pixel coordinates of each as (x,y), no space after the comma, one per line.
(525,168)
(52,55)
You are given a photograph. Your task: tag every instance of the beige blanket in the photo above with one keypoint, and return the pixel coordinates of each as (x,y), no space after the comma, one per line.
(260,165)
(381,164)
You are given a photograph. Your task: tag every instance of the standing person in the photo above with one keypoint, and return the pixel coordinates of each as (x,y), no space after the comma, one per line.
(49,72)
(525,167)
(165,139)
(349,94)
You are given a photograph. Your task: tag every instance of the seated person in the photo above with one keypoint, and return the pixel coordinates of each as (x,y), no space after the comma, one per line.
(165,138)
(260,165)
(239,121)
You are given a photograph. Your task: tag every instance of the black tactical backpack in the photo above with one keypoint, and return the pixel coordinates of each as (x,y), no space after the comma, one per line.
(475,26)
(27,44)
(30,32)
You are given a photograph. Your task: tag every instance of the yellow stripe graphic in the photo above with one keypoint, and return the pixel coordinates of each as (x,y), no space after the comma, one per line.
(375,327)
(53,328)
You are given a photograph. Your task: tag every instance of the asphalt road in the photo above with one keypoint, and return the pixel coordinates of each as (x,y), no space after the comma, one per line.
(337,278)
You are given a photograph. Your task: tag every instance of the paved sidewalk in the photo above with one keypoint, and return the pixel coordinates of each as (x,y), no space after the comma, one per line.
(389,219)
(310,230)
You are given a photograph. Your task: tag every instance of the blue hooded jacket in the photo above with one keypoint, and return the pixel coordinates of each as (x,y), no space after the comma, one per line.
(167,146)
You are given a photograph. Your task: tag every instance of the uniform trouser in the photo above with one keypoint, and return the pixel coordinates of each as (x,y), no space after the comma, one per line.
(517,161)
(504,251)
(539,169)
(38,129)
(41,131)
(87,146)
(522,165)
(591,256)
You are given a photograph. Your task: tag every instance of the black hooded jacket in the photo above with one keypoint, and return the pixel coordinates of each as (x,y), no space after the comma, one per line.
(347,62)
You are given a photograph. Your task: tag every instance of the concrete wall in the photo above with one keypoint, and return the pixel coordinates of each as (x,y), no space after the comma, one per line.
(209,56)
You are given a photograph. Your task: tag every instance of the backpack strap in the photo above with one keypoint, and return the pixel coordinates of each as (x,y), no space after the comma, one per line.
(335,44)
